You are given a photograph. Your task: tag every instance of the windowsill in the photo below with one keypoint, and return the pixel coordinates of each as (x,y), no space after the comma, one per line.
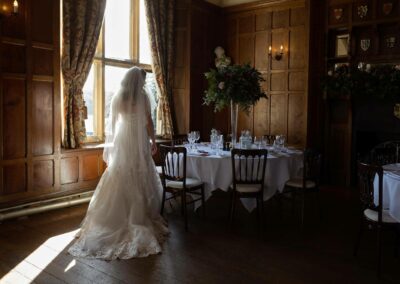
(100,146)
(85,147)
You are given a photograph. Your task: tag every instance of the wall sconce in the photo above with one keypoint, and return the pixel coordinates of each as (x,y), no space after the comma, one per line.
(278,55)
(5,10)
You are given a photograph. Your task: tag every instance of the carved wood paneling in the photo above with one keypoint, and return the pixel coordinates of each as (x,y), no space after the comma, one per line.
(297,119)
(13,58)
(90,167)
(70,170)
(263,21)
(43,174)
(14,179)
(43,20)
(42,62)
(285,112)
(13,118)
(246,49)
(297,50)
(279,113)
(261,46)
(42,118)
(278,81)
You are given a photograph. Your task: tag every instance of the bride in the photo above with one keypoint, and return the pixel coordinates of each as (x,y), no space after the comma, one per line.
(123,218)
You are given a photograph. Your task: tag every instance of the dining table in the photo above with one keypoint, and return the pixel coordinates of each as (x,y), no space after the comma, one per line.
(214,169)
(390,190)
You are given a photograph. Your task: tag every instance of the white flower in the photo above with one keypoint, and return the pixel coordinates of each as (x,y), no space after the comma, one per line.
(330,73)
(221,85)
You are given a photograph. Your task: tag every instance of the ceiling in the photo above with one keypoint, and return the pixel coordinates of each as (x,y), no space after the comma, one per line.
(225,3)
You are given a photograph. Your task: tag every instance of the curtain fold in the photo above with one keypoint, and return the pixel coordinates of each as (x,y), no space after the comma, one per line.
(160,20)
(82,21)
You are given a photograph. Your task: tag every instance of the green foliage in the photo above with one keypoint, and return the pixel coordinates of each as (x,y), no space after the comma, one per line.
(237,83)
(381,81)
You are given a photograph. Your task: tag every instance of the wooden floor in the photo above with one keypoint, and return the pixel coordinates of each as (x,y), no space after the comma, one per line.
(33,249)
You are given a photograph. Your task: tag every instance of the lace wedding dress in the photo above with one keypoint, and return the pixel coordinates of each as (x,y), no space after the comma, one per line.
(123,218)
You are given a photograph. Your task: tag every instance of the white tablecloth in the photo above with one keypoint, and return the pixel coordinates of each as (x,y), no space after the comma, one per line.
(216,172)
(390,190)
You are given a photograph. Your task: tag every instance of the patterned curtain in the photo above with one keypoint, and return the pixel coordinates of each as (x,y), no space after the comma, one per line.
(82,21)
(160,19)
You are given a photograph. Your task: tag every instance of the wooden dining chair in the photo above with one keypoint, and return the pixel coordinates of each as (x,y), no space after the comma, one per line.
(175,182)
(308,183)
(248,171)
(372,215)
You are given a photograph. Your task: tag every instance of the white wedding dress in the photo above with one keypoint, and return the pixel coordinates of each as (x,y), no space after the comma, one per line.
(123,218)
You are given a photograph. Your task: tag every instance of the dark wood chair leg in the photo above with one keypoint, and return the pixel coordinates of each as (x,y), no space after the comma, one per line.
(359,235)
(379,243)
(262,210)
(183,199)
(303,207)
(163,202)
(233,202)
(203,201)
(185,215)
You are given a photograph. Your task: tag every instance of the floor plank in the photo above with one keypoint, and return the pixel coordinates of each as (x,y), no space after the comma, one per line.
(35,248)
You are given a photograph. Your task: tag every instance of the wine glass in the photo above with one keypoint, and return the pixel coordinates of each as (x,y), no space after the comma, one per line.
(258,141)
(196,135)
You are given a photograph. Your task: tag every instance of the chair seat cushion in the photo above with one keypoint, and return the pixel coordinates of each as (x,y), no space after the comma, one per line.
(372,215)
(247,188)
(190,182)
(298,183)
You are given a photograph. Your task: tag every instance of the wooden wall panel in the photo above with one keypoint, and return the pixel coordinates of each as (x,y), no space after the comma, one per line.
(42,62)
(263,21)
(275,24)
(296,123)
(280,19)
(278,81)
(246,49)
(297,52)
(297,17)
(13,58)
(42,118)
(70,170)
(261,56)
(90,168)
(297,81)
(43,174)
(261,118)
(246,24)
(13,118)
(43,21)
(279,114)
(14,179)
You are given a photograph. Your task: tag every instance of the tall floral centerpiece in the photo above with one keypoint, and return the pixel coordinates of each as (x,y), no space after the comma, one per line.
(237,86)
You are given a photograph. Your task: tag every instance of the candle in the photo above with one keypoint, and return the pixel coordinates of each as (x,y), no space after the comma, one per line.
(269,49)
(281,48)
(15,6)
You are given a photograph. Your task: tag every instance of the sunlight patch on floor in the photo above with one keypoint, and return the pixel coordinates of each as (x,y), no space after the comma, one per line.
(29,268)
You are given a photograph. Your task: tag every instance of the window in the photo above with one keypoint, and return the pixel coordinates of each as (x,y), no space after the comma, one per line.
(123,43)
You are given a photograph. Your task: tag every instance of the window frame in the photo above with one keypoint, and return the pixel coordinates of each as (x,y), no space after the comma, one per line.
(100,61)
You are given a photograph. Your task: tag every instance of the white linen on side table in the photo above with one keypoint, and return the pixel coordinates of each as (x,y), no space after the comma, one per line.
(390,190)
(216,172)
